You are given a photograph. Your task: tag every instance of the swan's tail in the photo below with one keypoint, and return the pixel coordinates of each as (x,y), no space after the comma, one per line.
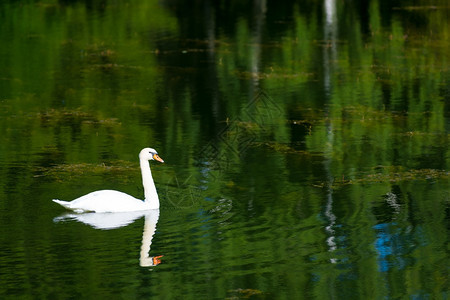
(63,203)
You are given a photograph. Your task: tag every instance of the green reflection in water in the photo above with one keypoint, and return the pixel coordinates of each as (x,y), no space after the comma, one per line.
(306,147)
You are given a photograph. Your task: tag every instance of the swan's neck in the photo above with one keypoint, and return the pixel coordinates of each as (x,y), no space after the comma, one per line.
(151,196)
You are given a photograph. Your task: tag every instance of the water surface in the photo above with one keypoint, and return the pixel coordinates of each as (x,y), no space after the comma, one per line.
(306,149)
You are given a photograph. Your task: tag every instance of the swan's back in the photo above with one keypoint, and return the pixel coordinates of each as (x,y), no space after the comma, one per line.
(105,201)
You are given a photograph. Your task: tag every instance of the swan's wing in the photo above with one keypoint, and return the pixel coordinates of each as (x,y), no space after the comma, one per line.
(104,201)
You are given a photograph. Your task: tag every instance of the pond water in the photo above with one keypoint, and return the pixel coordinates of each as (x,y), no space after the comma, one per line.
(305,145)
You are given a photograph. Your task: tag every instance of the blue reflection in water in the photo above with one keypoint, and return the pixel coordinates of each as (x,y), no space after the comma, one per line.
(383,246)
(394,244)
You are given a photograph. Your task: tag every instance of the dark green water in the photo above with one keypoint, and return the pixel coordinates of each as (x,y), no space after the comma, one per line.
(306,148)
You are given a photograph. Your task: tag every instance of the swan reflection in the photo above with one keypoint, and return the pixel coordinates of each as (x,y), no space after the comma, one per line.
(107,221)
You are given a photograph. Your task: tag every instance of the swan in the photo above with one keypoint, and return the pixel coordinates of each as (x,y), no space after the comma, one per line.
(114,201)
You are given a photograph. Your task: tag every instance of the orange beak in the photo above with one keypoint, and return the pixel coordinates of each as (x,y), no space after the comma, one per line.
(156,157)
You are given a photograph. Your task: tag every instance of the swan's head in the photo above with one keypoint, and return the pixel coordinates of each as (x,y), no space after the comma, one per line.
(150,154)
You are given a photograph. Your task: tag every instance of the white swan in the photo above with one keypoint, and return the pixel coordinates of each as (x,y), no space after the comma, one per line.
(115,201)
